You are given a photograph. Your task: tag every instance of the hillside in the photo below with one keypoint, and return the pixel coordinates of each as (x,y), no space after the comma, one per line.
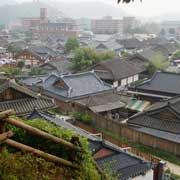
(13,12)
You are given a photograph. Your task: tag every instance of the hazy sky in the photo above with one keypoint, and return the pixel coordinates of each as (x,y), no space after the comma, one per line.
(147,8)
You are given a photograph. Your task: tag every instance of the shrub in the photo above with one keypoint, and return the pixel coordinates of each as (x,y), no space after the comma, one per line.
(20,64)
(19,166)
(82,117)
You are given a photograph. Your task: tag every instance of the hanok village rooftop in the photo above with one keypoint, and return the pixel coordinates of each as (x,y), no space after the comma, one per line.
(116,96)
(86,92)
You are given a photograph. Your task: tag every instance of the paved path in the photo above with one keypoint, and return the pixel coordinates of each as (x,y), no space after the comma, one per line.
(174,168)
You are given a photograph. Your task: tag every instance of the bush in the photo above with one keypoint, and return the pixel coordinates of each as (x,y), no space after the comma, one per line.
(36,71)
(82,117)
(176,55)
(10,71)
(20,64)
(19,166)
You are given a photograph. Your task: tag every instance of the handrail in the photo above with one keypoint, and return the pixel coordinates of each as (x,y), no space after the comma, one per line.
(40,153)
(40,133)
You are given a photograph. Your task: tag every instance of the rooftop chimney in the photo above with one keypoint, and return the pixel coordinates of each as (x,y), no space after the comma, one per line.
(43,13)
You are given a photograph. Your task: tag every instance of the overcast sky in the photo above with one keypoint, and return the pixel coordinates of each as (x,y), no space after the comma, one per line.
(147,8)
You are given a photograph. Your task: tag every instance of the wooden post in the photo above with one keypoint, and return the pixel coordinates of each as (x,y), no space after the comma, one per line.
(39,153)
(6,114)
(40,133)
(2,127)
(6,135)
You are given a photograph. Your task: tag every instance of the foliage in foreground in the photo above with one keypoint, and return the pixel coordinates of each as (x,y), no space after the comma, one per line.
(87,168)
(19,166)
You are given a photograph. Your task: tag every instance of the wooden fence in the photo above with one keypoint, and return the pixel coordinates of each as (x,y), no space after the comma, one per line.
(122,145)
(123,130)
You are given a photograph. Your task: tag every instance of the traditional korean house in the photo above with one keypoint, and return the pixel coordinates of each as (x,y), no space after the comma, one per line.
(60,65)
(138,61)
(160,124)
(110,45)
(162,83)
(35,56)
(153,54)
(117,72)
(67,89)
(22,100)
(109,104)
(83,92)
(132,45)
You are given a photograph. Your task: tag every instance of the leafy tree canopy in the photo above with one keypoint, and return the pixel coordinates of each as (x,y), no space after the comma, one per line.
(85,57)
(20,64)
(71,44)
(157,64)
(138,30)
(36,71)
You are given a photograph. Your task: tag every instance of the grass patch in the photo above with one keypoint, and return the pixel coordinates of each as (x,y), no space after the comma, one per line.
(175,176)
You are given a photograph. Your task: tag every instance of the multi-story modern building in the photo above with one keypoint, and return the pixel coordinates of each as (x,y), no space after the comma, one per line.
(129,23)
(107,25)
(57,29)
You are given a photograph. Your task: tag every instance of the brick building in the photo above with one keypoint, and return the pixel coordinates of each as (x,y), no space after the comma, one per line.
(57,29)
(32,22)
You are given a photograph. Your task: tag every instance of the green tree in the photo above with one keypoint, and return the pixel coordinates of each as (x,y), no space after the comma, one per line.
(157,64)
(71,44)
(124,54)
(36,71)
(13,49)
(9,71)
(138,30)
(85,57)
(20,64)
(176,55)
